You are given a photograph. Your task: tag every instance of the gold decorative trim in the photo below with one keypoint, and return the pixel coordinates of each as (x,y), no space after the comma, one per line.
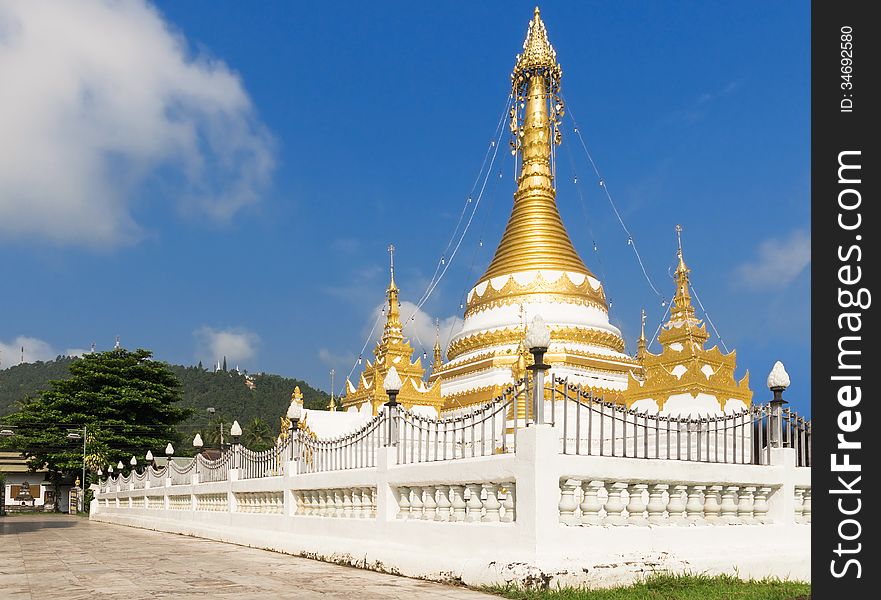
(562,289)
(512,335)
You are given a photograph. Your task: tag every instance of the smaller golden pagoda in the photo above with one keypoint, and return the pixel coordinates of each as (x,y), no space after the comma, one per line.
(393,350)
(685,369)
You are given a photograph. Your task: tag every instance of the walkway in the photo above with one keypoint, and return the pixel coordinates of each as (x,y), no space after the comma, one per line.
(48,557)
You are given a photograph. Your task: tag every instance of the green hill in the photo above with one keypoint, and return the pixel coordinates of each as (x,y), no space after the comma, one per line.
(227,392)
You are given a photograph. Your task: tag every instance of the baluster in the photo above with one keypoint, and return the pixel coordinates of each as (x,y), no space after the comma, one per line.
(416,503)
(430,503)
(636,504)
(348,504)
(694,505)
(510,504)
(443,511)
(729,505)
(798,507)
(323,508)
(403,502)
(760,505)
(355,494)
(656,505)
(567,503)
(711,504)
(806,507)
(590,502)
(615,505)
(676,505)
(474,505)
(745,505)
(457,499)
(492,503)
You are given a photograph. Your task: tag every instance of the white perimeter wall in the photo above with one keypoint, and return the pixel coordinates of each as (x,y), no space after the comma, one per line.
(536,548)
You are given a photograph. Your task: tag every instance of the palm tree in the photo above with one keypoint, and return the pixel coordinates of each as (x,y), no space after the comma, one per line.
(257,435)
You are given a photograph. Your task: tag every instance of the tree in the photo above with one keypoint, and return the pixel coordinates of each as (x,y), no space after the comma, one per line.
(257,435)
(126,402)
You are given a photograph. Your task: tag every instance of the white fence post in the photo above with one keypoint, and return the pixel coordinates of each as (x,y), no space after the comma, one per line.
(538,486)
(781,503)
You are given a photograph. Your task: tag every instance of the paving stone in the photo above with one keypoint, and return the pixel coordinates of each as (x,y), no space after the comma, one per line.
(54,557)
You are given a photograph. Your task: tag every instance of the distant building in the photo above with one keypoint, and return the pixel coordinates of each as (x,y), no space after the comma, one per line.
(30,489)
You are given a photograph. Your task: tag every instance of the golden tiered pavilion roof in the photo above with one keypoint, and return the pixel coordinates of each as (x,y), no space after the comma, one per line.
(393,350)
(684,366)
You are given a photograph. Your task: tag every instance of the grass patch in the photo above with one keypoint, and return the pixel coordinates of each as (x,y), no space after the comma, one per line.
(673,587)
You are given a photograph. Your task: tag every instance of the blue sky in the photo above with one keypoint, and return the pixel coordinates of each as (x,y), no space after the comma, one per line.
(205,177)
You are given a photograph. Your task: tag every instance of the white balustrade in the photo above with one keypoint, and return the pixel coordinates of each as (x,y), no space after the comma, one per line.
(587,502)
(212,502)
(489,502)
(806,506)
(180,502)
(341,503)
(271,503)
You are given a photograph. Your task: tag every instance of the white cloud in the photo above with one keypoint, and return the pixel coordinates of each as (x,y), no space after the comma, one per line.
(101,96)
(236,344)
(34,350)
(778,262)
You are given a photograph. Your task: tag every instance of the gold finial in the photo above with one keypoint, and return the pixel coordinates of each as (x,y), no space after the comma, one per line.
(393,327)
(641,347)
(535,237)
(681,310)
(391,252)
(438,353)
(331,406)
(297,396)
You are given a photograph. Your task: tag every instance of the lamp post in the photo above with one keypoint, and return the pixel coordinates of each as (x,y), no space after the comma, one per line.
(169,450)
(778,381)
(197,444)
(75,435)
(236,432)
(538,338)
(295,411)
(150,460)
(392,385)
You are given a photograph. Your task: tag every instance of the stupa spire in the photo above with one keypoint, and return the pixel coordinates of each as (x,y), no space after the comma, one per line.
(535,237)
(642,346)
(682,309)
(393,328)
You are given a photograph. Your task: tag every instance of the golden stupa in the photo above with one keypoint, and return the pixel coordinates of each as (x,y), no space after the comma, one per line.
(535,269)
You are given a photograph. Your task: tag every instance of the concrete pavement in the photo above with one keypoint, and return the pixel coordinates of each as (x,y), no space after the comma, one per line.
(50,557)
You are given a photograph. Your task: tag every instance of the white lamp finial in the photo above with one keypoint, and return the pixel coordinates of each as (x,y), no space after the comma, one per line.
(778,378)
(538,335)
(392,381)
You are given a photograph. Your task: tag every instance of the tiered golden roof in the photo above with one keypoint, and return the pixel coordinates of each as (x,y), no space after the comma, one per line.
(682,339)
(393,350)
